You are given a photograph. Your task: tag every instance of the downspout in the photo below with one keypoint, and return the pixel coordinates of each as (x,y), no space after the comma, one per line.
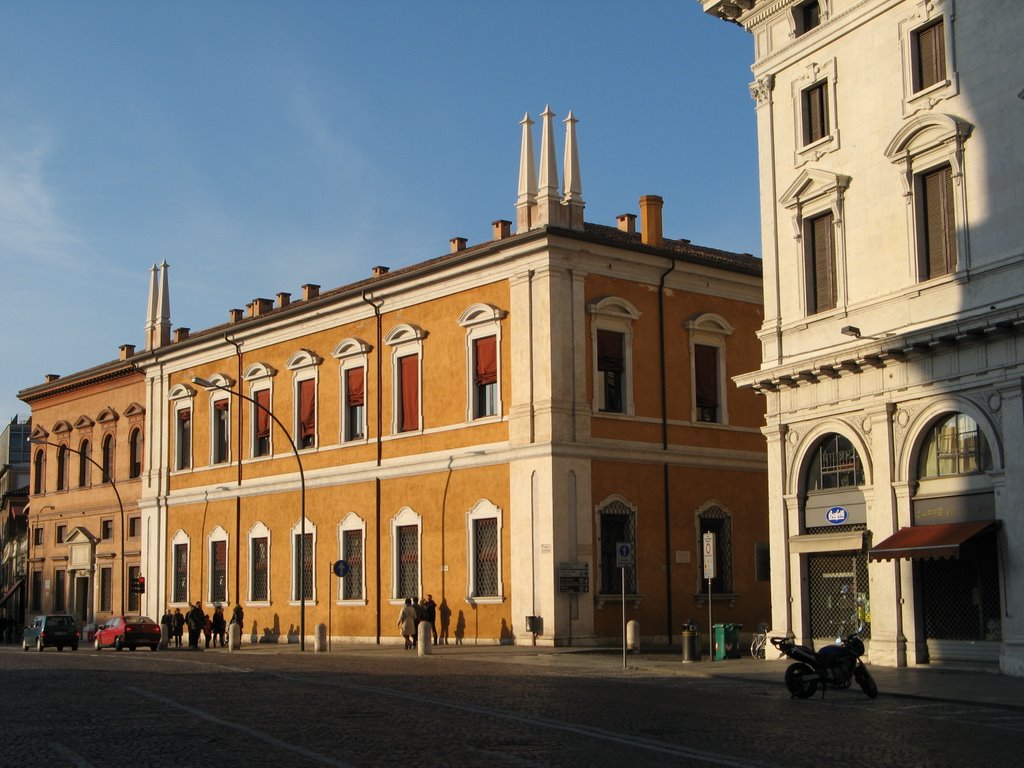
(238,496)
(376,304)
(664,447)
(529,310)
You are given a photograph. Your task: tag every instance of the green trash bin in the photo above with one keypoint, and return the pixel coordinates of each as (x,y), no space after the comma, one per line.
(726,639)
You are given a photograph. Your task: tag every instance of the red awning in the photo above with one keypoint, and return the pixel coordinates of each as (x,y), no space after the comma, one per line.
(929,541)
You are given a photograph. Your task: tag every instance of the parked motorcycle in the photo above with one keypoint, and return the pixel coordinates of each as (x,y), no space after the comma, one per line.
(834,666)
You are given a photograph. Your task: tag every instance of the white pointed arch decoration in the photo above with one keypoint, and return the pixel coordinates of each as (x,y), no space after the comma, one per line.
(108,416)
(480,313)
(303,359)
(258,371)
(351,347)
(62,427)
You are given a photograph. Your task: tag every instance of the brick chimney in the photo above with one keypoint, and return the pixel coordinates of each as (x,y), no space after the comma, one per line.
(310,291)
(284,299)
(501,229)
(180,334)
(457,244)
(126,351)
(51,377)
(235,315)
(650,220)
(261,306)
(626,222)
(380,270)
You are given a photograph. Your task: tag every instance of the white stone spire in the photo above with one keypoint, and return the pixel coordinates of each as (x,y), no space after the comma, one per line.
(549,198)
(527,177)
(573,198)
(162,316)
(151,308)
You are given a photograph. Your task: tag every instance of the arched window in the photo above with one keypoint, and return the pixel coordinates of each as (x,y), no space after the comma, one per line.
(107,461)
(135,453)
(836,464)
(84,454)
(62,468)
(38,471)
(954,446)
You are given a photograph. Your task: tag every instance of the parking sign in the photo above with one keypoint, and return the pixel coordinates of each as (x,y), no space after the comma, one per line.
(709,555)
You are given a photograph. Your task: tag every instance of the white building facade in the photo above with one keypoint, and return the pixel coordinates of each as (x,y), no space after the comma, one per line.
(892,208)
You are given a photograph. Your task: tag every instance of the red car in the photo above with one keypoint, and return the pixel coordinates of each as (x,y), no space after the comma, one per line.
(128,632)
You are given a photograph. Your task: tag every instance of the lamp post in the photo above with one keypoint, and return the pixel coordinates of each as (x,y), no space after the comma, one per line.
(207,384)
(107,479)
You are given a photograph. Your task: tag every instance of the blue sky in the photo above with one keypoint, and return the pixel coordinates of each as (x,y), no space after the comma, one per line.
(257,146)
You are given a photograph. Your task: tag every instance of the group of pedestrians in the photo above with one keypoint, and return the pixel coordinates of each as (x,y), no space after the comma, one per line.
(413,614)
(212,629)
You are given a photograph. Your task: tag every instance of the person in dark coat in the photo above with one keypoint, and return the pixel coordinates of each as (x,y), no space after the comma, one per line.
(195,621)
(178,622)
(167,622)
(218,626)
(430,615)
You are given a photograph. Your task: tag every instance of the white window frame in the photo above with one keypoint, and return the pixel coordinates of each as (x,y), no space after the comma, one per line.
(260,376)
(352,353)
(217,395)
(482,510)
(479,322)
(259,531)
(352,522)
(795,23)
(925,143)
(405,516)
(813,193)
(613,313)
(180,537)
(814,73)
(293,591)
(710,330)
(305,366)
(599,510)
(405,340)
(182,397)
(218,534)
(924,14)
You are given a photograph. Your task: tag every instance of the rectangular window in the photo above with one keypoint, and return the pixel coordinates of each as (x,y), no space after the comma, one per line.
(59,533)
(261,423)
(302,583)
(134,527)
(485,557)
(106,529)
(930,56)
(706,381)
(355,400)
(815,112)
(352,553)
(218,571)
(106,590)
(485,377)
(611,368)
(762,562)
(37,591)
(260,576)
(180,594)
(183,439)
(822,266)
(808,17)
(617,526)
(408,561)
(306,416)
(409,393)
(60,591)
(221,433)
(134,571)
(37,536)
(939,223)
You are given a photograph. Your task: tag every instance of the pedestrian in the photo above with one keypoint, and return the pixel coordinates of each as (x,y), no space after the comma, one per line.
(195,620)
(218,626)
(167,625)
(179,626)
(420,613)
(407,623)
(430,615)
(207,628)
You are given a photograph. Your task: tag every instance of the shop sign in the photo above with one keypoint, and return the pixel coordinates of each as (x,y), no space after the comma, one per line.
(837,515)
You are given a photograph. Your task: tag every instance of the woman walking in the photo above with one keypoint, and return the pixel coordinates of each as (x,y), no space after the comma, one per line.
(407,623)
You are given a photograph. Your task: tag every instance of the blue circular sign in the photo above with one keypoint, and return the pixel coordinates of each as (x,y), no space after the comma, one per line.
(837,515)
(341,569)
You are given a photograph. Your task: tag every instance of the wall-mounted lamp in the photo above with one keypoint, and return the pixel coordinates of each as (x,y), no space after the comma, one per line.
(850,330)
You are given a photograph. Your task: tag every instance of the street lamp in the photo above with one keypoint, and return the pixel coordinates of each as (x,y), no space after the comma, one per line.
(207,384)
(107,479)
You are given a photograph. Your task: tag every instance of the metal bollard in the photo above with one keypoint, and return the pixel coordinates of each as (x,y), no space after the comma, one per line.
(234,637)
(424,639)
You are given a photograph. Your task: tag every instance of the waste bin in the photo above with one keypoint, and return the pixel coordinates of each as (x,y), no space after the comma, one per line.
(691,642)
(726,641)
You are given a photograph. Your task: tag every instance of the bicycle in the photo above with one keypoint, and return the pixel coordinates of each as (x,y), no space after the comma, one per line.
(757,645)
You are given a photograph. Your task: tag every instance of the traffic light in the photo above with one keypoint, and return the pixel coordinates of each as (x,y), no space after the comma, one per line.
(133,586)
(140,585)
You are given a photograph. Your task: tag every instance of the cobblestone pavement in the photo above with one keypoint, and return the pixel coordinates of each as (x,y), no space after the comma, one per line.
(459,707)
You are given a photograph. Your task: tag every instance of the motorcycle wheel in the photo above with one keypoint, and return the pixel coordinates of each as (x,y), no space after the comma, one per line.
(865,681)
(796,682)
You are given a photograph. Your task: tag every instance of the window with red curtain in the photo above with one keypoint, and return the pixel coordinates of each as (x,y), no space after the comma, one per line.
(307,413)
(706,381)
(184,441)
(354,403)
(261,432)
(485,376)
(220,431)
(409,390)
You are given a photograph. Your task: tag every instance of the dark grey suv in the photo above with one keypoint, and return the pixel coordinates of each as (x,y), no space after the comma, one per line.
(56,631)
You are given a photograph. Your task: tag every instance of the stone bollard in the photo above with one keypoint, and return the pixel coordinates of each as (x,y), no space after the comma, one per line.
(633,635)
(234,637)
(320,639)
(424,639)
(163,636)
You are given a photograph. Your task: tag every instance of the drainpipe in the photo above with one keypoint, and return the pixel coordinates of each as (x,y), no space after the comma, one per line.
(376,304)
(664,446)
(238,462)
